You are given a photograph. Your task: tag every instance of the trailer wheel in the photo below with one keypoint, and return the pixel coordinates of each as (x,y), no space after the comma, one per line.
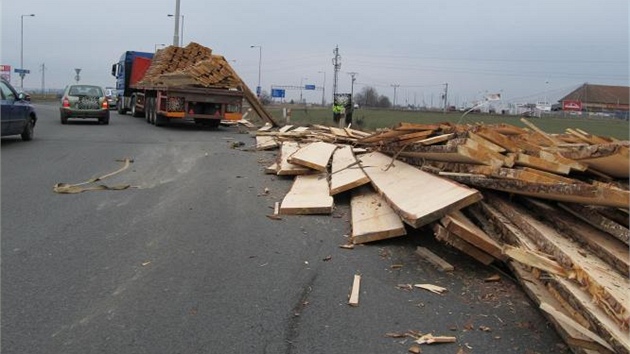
(134,110)
(149,109)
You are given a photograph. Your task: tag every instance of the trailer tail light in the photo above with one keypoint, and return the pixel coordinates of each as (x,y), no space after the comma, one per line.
(65,103)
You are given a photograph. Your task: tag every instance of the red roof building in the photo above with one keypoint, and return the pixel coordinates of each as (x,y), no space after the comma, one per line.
(597,98)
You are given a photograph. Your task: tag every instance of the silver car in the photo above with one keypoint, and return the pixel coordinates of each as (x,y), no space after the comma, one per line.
(84,101)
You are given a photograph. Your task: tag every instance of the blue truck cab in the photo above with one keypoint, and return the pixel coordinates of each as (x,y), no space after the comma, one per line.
(128,71)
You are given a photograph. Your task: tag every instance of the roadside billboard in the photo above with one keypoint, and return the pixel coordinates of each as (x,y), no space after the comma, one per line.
(571,105)
(5,72)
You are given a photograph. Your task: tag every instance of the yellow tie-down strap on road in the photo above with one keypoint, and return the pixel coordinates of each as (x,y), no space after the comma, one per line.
(65,188)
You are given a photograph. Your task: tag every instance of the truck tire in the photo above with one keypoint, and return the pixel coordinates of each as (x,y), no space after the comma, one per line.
(148,109)
(134,111)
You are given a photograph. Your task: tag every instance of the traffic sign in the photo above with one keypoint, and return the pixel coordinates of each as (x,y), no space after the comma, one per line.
(278,93)
(21,71)
(309,87)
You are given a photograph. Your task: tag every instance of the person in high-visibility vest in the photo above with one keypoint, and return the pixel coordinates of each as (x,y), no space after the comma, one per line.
(337,111)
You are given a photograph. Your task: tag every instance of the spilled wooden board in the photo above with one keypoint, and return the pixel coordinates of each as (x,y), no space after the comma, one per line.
(314,155)
(417,196)
(266,143)
(308,195)
(346,172)
(447,237)
(434,259)
(575,193)
(287,149)
(458,224)
(372,218)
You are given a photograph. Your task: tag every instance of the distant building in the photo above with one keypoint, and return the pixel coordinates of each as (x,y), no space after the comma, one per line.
(597,98)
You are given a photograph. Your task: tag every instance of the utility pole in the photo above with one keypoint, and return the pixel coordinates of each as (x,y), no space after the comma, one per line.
(337,66)
(445,96)
(395,86)
(43,70)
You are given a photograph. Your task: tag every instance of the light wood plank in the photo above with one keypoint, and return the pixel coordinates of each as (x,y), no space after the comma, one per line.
(346,172)
(372,218)
(287,149)
(314,155)
(417,196)
(458,224)
(354,293)
(308,195)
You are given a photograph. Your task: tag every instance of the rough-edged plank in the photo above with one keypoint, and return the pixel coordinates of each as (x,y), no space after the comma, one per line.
(445,236)
(372,218)
(314,155)
(434,259)
(458,224)
(599,221)
(308,195)
(576,193)
(417,196)
(346,172)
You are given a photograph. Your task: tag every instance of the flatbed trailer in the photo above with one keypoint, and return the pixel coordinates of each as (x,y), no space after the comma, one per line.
(199,105)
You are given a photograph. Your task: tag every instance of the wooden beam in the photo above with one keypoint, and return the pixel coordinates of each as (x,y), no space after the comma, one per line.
(458,224)
(445,236)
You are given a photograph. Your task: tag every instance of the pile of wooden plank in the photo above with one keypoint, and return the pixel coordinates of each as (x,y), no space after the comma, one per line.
(554,208)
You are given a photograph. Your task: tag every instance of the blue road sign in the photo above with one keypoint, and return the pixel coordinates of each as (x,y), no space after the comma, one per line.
(309,87)
(21,71)
(277,93)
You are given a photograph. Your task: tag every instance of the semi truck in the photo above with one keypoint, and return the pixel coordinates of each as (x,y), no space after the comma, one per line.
(166,97)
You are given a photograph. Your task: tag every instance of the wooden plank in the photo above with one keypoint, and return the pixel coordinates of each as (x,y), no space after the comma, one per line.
(540,293)
(486,143)
(266,143)
(601,323)
(435,140)
(574,193)
(553,141)
(569,322)
(372,218)
(609,288)
(609,249)
(417,196)
(354,293)
(308,195)
(284,166)
(522,159)
(346,172)
(459,225)
(315,155)
(498,139)
(434,259)
(445,236)
(599,221)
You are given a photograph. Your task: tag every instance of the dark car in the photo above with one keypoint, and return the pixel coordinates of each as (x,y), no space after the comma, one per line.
(112,99)
(84,101)
(18,115)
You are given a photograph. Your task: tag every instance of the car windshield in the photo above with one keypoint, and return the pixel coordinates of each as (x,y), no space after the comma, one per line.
(84,90)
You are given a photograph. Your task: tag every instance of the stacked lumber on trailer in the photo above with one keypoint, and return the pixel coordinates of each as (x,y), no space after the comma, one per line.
(196,66)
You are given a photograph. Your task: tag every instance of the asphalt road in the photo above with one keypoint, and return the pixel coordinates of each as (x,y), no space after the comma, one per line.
(187,260)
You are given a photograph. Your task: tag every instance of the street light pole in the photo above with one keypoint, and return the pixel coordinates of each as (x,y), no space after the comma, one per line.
(323,88)
(22,48)
(302,86)
(258,88)
(181,36)
(176,30)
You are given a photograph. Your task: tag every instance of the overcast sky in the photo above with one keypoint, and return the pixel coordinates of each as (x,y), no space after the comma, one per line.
(528,50)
